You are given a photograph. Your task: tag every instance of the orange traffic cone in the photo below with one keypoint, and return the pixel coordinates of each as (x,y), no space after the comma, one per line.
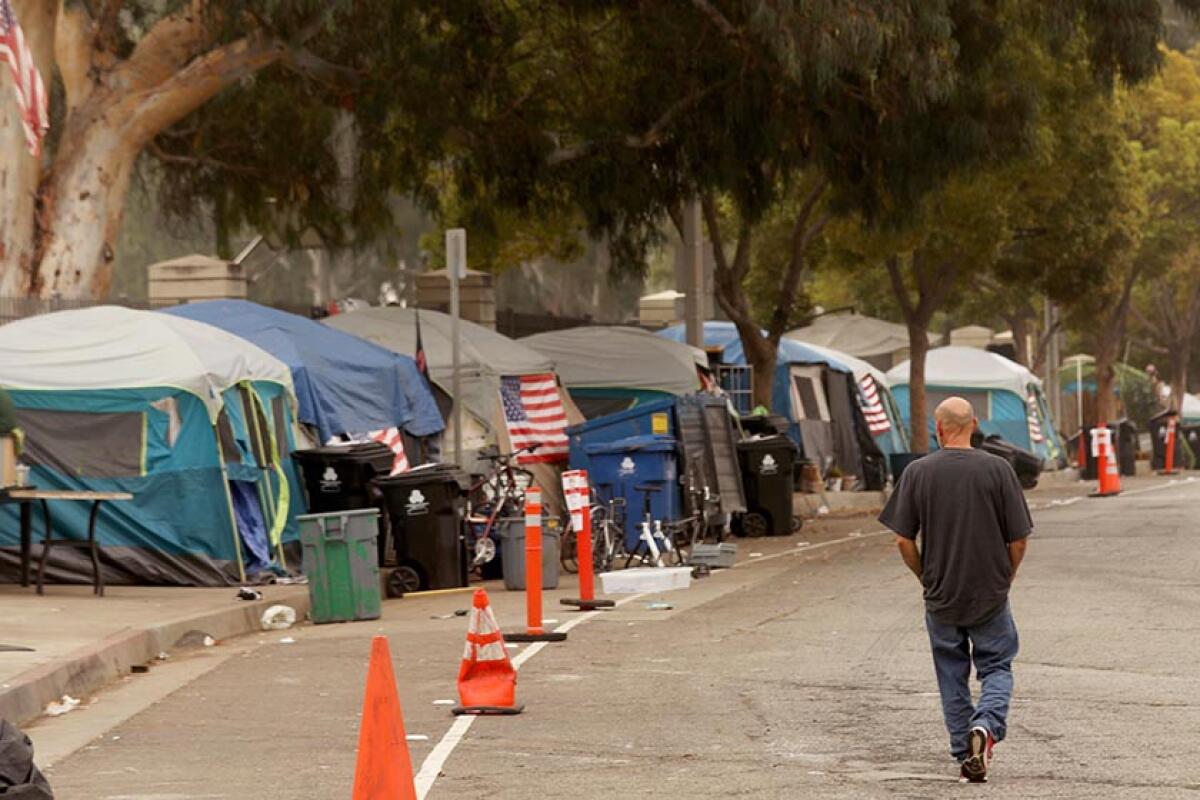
(487,682)
(384,770)
(1107,473)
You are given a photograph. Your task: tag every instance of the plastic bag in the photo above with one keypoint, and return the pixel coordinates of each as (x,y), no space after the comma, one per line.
(278,618)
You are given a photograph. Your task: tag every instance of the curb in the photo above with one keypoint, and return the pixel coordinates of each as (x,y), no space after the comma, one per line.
(92,667)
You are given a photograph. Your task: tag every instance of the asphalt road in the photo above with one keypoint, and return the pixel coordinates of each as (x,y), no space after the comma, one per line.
(805,675)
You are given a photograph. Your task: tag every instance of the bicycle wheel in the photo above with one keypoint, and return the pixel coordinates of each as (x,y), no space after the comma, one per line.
(568,551)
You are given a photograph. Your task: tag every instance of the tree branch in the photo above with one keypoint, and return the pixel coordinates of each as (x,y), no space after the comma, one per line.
(651,137)
(161,106)
(718,19)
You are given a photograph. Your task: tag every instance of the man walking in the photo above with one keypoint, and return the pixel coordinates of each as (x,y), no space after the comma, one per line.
(969,509)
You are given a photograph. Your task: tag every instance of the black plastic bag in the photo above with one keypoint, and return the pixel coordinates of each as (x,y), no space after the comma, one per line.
(19,778)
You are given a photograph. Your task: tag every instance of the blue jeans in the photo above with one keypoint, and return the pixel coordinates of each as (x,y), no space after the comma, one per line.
(993,646)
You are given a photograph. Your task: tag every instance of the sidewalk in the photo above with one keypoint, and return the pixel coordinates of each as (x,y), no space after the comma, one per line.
(81,642)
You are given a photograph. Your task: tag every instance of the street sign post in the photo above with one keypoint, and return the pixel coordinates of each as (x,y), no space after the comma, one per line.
(456,270)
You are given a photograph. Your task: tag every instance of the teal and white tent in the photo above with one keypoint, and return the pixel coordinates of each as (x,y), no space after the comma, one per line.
(195,422)
(1007,397)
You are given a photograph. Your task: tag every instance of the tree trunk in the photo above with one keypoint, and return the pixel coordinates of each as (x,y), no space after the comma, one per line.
(918,345)
(82,202)
(1020,333)
(1106,399)
(1179,356)
(19,170)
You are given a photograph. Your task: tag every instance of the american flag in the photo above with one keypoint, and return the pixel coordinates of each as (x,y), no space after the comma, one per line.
(1035,427)
(534,414)
(872,407)
(395,441)
(31,94)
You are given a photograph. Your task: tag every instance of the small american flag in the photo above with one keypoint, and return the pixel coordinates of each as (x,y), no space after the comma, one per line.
(31,94)
(872,407)
(395,441)
(1035,427)
(534,414)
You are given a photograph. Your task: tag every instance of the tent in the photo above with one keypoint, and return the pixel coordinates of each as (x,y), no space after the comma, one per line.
(1007,397)
(1133,388)
(820,397)
(344,385)
(486,358)
(614,368)
(1190,412)
(193,421)
(878,404)
(882,343)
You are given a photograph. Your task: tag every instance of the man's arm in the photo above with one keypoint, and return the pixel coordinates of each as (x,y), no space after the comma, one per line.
(1016,552)
(910,554)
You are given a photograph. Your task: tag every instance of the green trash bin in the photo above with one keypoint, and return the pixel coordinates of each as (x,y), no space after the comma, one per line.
(341,560)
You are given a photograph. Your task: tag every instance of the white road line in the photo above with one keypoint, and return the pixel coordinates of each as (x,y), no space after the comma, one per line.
(432,766)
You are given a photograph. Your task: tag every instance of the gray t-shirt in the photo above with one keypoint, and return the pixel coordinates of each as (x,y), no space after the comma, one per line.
(968,506)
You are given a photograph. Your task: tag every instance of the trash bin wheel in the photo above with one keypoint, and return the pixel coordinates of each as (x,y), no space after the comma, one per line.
(755,523)
(797,523)
(402,580)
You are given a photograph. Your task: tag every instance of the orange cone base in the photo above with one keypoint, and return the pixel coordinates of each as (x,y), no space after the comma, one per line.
(1168,472)
(548,636)
(587,605)
(1104,494)
(487,711)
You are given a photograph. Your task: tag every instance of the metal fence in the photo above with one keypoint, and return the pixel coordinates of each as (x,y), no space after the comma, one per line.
(738,382)
(14,308)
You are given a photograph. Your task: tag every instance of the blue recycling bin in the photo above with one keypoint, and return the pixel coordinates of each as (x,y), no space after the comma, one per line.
(617,468)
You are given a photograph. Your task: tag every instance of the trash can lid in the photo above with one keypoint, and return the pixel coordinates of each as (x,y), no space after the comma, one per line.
(633,444)
(348,451)
(772,442)
(427,473)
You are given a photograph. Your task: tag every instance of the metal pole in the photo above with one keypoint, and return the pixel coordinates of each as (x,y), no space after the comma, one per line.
(693,236)
(456,266)
(1079,388)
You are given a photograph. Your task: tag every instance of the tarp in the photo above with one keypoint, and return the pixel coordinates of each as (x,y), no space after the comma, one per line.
(854,334)
(1190,413)
(344,384)
(617,357)
(166,414)
(723,336)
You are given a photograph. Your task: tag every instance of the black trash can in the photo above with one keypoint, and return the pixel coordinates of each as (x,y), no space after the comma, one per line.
(1125,440)
(339,478)
(766,466)
(424,509)
(1027,465)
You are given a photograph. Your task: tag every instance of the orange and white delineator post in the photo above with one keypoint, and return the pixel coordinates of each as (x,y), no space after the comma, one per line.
(1107,472)
(578,494)
(487,681)
(1169,459)
(534,631)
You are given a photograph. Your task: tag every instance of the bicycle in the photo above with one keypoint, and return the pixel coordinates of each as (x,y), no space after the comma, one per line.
(499,493)
(608,532)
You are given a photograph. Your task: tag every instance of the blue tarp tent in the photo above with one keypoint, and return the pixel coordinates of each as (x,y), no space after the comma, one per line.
(818,394)
(344,384)
(1007,397)
(191,420)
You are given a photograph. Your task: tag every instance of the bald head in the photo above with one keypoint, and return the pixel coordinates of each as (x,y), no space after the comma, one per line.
(955,420)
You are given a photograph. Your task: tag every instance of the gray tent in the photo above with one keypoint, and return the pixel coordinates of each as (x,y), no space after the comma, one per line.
(611,368)
(881,343)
